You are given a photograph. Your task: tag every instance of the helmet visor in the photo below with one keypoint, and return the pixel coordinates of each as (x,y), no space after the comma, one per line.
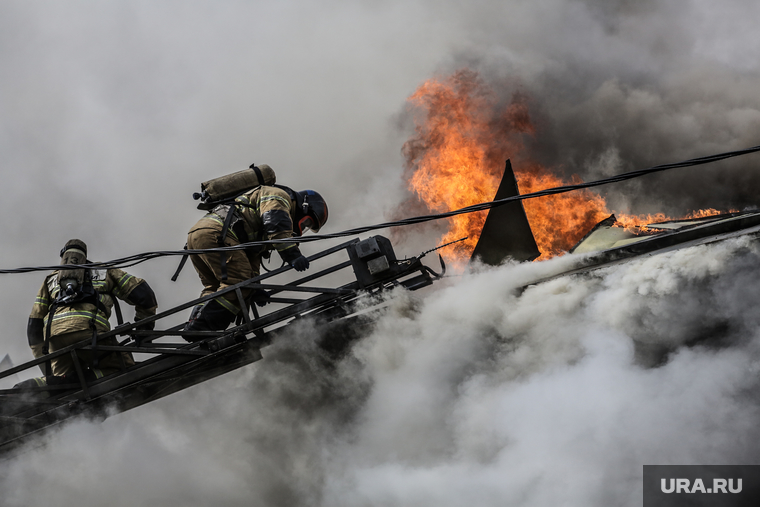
(307,224)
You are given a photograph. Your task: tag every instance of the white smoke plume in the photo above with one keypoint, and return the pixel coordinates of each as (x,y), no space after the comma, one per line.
(474,394)
(112,113)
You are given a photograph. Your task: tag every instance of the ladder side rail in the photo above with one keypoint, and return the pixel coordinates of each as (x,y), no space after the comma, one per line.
(161,362)
(120,330)
(295,288)
(150,350)
(311,277)
(325,300)
(129,326)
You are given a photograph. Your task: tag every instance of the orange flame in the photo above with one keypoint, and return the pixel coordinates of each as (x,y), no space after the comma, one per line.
(631,221)
(463,135)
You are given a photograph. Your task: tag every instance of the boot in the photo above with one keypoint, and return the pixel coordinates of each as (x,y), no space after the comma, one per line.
(31,383)
(211,316)
(71,378)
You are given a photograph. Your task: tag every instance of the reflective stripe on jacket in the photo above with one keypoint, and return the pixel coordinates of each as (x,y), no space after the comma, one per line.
(267,213)
(77,316)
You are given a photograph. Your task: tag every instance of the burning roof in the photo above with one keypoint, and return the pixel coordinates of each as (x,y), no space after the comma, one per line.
(507,232)
(463,134)
(611,235)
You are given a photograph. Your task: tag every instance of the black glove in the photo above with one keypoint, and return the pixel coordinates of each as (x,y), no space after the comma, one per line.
(260,297)
(148,326)
(295,258)
(300,264)
(138,336)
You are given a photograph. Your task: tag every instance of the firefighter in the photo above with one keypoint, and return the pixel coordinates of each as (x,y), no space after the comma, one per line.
(73,304)
(264,213)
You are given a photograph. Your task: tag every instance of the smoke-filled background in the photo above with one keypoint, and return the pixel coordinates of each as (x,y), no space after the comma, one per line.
(112,113)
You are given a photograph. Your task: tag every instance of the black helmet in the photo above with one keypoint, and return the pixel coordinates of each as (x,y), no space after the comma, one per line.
(75,244)
(312,206)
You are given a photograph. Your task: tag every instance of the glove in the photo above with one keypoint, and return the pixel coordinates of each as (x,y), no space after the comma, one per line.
(138,336)
(260,297)
(148,326)
(300,264)
(295,258)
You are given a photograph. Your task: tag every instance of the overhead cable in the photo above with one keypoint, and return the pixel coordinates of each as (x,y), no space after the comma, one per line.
(139,258)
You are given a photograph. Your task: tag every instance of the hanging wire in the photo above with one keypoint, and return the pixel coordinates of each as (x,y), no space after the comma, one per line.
(133,260)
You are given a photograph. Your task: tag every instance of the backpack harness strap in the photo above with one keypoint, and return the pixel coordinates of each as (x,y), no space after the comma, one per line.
(225,228)
(181,264)
(227,222)
(80,297)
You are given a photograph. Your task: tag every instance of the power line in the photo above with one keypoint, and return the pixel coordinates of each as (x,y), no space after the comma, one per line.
(132,260)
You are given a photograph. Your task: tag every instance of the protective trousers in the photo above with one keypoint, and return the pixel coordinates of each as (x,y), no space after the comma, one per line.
(208,266)
(107,363)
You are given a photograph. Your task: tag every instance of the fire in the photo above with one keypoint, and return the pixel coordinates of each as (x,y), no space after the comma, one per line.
(456,156)
(559,221)
(640,221)
(463,135)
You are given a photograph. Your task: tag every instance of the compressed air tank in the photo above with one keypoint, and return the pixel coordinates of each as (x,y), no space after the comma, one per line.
(232,185)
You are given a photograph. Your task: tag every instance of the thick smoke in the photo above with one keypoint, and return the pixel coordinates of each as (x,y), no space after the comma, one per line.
(620,86)
(112,113)
(480,393)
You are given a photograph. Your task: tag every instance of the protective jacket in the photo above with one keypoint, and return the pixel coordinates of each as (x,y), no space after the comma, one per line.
(78,316)
(264,213)
(74,318)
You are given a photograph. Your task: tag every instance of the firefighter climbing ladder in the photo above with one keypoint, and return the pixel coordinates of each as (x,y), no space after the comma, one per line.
(172,367)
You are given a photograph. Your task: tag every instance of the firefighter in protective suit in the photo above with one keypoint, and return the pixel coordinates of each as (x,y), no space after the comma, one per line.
(73,304)
(264,213)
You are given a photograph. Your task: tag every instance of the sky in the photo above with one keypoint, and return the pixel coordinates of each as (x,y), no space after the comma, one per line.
(112,113)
